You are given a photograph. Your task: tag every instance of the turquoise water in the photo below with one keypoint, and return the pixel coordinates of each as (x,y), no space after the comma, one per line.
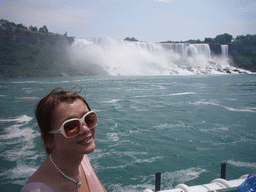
(181,126)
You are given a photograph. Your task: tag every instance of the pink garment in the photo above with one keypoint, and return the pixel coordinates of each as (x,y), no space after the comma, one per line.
(36,187)
(92,179)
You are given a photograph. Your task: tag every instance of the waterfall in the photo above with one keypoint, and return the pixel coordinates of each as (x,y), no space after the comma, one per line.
(186,50)
(119,57)
(224,50)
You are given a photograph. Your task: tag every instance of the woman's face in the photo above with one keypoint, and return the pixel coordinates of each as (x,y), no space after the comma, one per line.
(80,144)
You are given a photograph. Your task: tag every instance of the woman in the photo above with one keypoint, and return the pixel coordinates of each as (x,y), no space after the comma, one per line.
(67,127)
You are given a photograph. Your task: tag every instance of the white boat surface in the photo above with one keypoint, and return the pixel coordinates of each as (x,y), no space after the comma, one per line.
(217,185)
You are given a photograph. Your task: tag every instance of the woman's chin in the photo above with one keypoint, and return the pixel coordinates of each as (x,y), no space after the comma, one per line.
(90,148)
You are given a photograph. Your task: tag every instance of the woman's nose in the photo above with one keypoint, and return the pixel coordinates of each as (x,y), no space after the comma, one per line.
(84,128)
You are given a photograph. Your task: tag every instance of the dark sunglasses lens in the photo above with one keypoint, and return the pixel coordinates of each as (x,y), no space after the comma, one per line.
(72,128)
(91,120)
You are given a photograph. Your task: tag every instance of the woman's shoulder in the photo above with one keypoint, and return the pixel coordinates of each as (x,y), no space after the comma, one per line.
(36,187)
(40,180)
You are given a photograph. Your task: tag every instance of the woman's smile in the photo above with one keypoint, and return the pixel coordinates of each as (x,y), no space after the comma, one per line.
(86,140)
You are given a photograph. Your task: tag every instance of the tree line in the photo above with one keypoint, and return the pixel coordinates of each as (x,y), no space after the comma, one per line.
(20,26)
(222,39)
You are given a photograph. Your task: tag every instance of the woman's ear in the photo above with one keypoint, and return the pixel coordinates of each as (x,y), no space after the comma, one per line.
(48,141)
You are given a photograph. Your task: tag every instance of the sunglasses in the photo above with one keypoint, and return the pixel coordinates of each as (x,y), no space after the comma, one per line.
(72,127)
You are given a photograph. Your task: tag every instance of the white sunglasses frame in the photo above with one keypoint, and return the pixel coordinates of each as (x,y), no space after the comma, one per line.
(62,131)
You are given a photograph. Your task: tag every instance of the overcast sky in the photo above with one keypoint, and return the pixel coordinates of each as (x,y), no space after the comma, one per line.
(146,20)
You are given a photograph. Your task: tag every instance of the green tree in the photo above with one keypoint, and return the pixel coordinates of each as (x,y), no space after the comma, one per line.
(223,39)
(130,39)
(21,26)
(43,29)
(208,40)
(31,28)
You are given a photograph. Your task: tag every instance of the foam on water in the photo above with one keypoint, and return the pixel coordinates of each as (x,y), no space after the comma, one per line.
(20,119)
(181,176)
(216,129)
(111,101)
(135,160)
(179,126)
(216,103)
(115,126)
(250,110)
(113,136)
(203,102)
(19,138)
(19,172)
(121,143)
(148,160)
(29,82)
(185,93)
(242,164)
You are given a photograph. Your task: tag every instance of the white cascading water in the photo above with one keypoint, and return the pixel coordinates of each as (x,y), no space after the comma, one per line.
(224,50)
(118,57)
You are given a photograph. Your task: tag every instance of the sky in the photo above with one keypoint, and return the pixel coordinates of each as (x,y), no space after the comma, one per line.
(146,20)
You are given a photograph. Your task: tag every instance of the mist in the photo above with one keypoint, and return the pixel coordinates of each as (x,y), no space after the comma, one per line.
(107,56)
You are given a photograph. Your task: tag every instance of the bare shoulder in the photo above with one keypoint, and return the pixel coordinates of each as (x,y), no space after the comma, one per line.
(43,174)
(48,175)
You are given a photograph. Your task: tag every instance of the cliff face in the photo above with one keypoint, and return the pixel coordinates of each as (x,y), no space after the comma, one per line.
(246,50)
(243,56)
(26,53)
(215,48)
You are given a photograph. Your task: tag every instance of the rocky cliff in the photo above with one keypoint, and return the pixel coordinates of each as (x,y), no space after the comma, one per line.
(25,53)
